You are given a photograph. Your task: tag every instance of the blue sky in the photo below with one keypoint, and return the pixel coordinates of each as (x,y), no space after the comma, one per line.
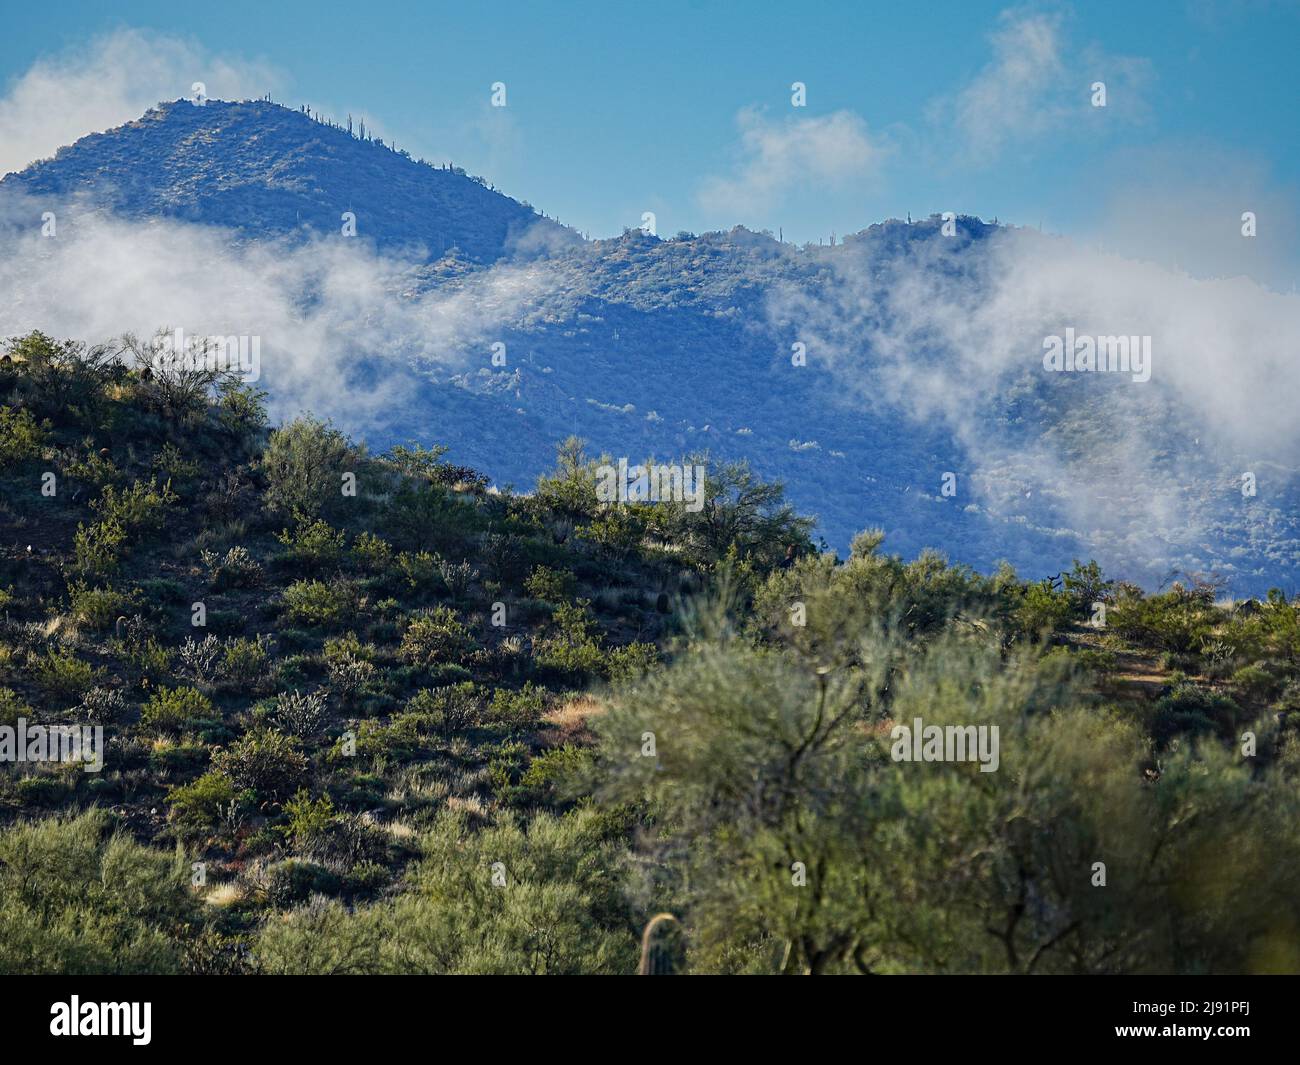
(684,108)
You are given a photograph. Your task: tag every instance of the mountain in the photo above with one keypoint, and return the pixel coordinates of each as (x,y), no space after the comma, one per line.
(896,418)
(265,170)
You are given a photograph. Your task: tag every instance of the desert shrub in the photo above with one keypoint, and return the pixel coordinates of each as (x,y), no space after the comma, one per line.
(457,576)
(1043,611)
(97,548)
(295,880)
(1178,620)
(504,555)
(200,660)
(374,554)
(304,464)
(313,543)
(1255,681)
(21,436)
(63,675)
(78,898)
(301,714)
(12,707)
(434,636)
(103,706)
(96,608)
(631,660)
(316,603)
(555,586)
(172,709)
(451,708)
(518,709)
(617,530)
(245,664)
(424,517)
(204,803)
(348,677)
(309,819)
(139,508)
(235,569)
(419,568)
(265,761)
(558,912)
(572,647)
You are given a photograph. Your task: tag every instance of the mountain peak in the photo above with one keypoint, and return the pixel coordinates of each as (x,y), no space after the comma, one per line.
(263,170)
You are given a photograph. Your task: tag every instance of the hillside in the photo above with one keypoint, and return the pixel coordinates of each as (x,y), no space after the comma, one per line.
(265,171)
(653,347)
(361,714)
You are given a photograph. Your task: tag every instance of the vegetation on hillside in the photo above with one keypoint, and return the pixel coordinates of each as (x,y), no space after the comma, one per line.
(365,714)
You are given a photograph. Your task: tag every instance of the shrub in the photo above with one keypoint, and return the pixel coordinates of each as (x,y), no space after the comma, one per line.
(374,554)
(138,508)
(1043,611)
(63,675)
(97,548)
(572,648)
(309,819)
(103,706)
(200,660)
(316,603)
(434,636)
(96,608)
(77,898)
(245,663)
(300,714)
(304,462)
(21,437)
(451,708)
(236,569)
(265,761)
(518,709)
(313,543)
(631,661)
(12,707)
(419,569)
(172,709)
(457,576)
(555,586)
(205,802)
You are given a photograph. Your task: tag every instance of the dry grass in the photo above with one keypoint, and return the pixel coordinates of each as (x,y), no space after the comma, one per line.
(567,723)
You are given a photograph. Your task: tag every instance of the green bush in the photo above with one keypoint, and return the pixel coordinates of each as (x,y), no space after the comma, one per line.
(203,803)
(77,898)
(173,709)
(434,636)
(21,437)
(313,543)
(63,675)
(304,464)
(264,761)
(316,603)
(97,608)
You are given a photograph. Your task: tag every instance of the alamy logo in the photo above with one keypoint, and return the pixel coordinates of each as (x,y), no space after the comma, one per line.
(946,743)
(225,354)
(651,484)
(102,1018)
(21,742)
(1088,354)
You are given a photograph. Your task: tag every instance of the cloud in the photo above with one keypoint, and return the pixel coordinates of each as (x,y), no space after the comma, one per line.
(776,157)
(1037,83)
(110,80)
(341,328)
(1147,475)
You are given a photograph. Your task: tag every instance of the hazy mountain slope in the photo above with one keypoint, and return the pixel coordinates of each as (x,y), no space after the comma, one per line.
(666,347)
(266,170)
